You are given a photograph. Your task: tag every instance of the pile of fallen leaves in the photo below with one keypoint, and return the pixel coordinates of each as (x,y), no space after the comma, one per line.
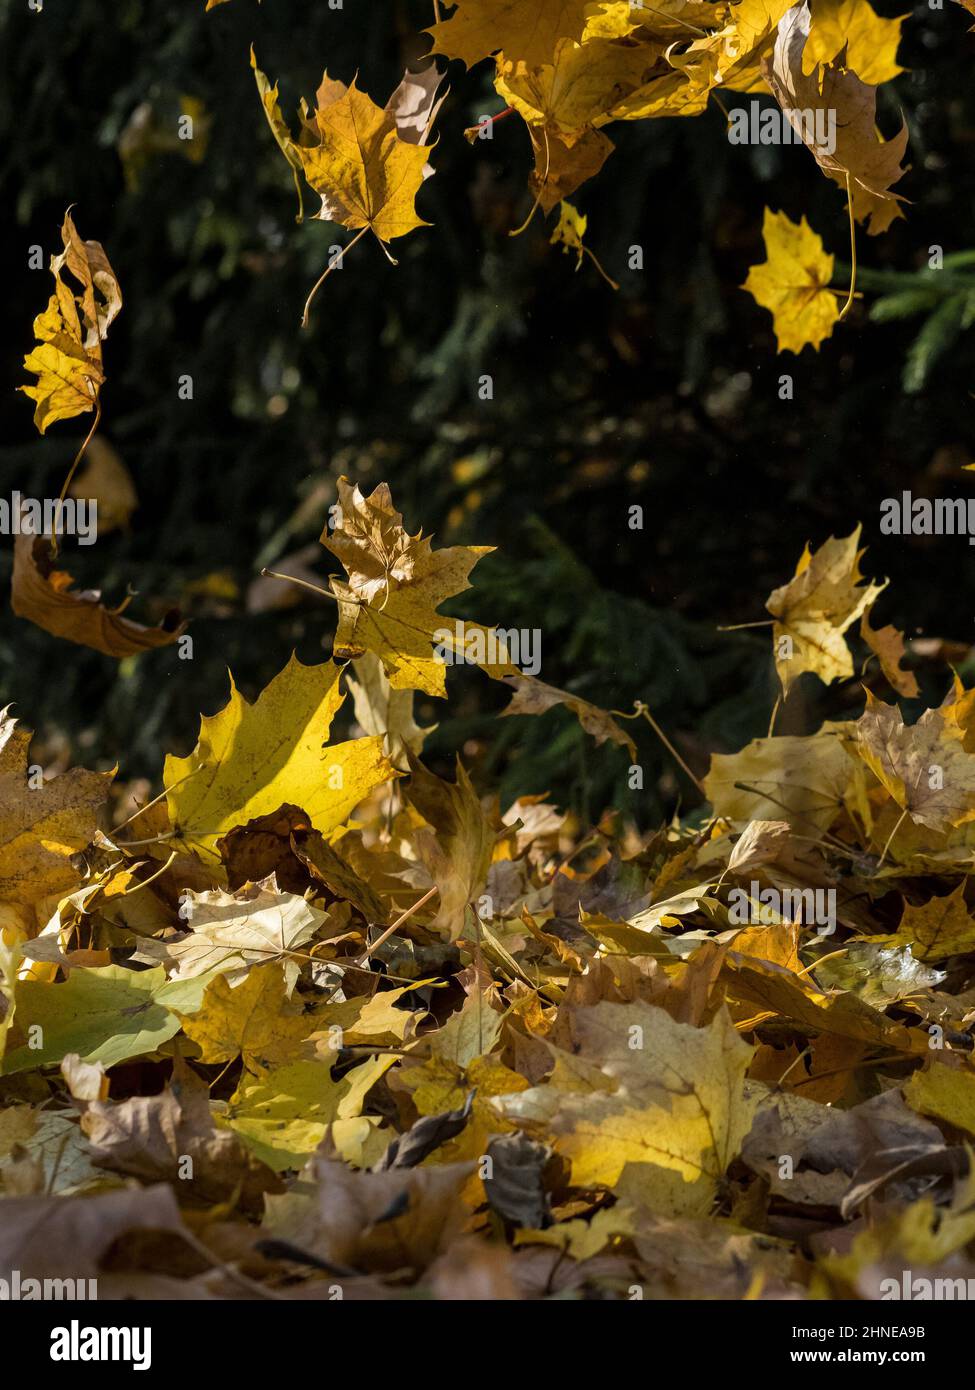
(317,1023)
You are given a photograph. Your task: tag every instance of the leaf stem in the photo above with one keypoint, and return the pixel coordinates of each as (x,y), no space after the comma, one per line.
(327,272)
(641,710)
(71,472)
(900,822)
(853,251)
(404,917)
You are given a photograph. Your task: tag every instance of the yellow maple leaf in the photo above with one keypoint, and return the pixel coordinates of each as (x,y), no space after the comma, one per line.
(813,611)
(367,174)
(923,766)
(941,927)
(256,1021)
(793,283)
(869,40)
(652,1108)
(396,584)
(41,826)
(252,759)
(283,1115)
(578,86)
(947,1093)
(478,28)
(68,358)
(802,780)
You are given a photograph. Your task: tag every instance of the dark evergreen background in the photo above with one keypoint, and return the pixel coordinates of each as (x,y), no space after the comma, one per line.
(665,394)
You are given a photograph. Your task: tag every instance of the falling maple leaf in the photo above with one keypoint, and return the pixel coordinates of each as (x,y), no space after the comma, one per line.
(478,28)
(853,31)
(45,596)
(396,583)
(279,127)
(794,283)
(532,696)
(887,645)
(817,606)
(862,163)
(368,176)
(68,358)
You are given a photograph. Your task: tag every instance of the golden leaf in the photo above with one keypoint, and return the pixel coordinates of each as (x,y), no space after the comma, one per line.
(850,30)
(68,359)
(793,283)
(45,597)
(41,826)
(252,759)
(815,608)
(923,766)
(653,1108)
(478,28)
(396,584)
(366,173)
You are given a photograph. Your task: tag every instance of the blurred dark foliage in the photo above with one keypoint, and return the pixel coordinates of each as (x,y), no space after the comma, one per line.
(665,395)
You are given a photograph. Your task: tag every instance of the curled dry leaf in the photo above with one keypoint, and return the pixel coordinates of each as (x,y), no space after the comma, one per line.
(45,596)
(67,360)
(887,645)
(160,1138)
(535,697)
(861,160)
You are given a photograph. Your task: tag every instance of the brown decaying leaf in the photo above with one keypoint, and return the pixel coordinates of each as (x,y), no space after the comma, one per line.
(861,158)
(535,697)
